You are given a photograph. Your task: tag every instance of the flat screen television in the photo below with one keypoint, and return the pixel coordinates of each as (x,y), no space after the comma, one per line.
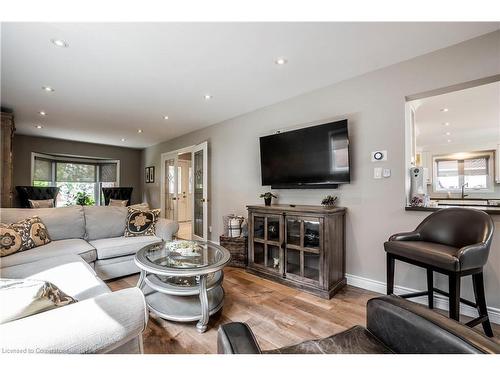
(308,158)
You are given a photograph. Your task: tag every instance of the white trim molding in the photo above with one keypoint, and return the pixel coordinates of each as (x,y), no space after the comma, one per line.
(440,302)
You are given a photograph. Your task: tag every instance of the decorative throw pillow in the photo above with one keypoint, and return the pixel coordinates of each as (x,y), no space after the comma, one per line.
(140,206)
(25,297)
(23,235)
(42,203)
(117,202)
(141,222)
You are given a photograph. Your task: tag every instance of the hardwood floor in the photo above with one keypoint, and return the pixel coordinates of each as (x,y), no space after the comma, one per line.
(277,314)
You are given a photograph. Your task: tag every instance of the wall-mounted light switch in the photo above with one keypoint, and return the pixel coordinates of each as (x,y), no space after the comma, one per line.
(386,172)
(377,173)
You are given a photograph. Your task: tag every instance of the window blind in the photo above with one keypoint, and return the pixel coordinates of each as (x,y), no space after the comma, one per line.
(75,172)
(476,167)
(109,172)
(447,168)
(42,170)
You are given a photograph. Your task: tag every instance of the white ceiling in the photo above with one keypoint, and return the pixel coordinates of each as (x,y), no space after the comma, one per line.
(117,77)
(473,116)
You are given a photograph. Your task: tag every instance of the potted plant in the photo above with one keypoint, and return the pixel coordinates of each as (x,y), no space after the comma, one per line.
(83,199)
(268,197)
(329,201)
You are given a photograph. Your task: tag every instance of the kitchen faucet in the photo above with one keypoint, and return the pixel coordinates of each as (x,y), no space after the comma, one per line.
(463,190)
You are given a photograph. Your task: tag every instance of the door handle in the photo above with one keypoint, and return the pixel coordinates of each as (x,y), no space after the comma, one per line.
(174,198)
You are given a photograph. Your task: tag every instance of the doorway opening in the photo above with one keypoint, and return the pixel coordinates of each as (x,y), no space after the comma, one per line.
(184,190)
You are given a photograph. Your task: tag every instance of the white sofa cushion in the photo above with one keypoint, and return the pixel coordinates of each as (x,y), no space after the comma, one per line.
(105,221)
(52,249)
(120,246)
(70,273)
(62,223)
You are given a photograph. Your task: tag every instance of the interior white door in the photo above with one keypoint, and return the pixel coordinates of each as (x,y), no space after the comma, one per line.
(199,158)
(170,187)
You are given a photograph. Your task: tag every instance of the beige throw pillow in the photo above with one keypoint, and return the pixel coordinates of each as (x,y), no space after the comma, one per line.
(24,297)
(117,202)
(41,203)
(23,235)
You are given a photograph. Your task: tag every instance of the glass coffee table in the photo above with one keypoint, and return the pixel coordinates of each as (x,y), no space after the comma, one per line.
(182,280)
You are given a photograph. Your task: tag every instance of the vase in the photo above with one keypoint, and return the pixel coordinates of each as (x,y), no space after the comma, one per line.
(267,201)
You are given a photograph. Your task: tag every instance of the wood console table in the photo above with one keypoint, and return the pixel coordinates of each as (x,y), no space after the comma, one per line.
(299,246)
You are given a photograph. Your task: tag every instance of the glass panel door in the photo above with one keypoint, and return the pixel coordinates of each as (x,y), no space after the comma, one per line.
(311,234)
(273,229)
(200,196)
(170,188)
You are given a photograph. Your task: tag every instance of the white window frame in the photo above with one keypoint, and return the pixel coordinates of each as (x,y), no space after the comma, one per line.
(62,158)
(461,157)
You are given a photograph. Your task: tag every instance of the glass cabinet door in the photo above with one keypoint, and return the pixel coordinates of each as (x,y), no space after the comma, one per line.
(258,227)
(273,229)
(311,234)
(311,266)
(293,231)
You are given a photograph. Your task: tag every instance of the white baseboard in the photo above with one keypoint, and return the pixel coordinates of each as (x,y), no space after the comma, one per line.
(440,301)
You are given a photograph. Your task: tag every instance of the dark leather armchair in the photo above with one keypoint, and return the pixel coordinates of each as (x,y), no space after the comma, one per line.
(394,325)
(36,193)
(118,193)
(454,242)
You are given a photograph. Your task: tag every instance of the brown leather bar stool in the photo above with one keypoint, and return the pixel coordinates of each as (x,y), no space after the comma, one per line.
(452,241)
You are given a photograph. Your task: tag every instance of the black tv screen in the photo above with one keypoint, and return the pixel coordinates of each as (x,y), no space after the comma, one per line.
(313,157)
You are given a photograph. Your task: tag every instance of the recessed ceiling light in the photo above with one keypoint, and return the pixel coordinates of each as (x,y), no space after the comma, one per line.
(38,126)
(165,117)
(449,140)
(59,43)
(139,131)
(48,89)
(280,61)
(123,139)
(448,133)
(446,123)
(42,113)
(208,96)
(444,109)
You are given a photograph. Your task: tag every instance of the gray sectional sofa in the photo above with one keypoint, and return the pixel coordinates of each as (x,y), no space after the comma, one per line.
(87,247)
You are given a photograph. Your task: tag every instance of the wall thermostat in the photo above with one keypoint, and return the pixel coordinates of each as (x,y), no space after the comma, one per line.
(379,155)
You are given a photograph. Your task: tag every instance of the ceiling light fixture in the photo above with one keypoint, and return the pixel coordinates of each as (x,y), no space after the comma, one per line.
(449,140)
(448,133)
(446,123)
(42,113)
(59,43)
(280,61)
(123,139)
(165,117)
(48,89)
(139,131)
(444,109)
(38,126)
(208,96)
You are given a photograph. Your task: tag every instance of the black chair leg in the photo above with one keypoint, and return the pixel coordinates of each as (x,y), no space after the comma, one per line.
(390,274)
(478,284)
(454,291)
(430,288)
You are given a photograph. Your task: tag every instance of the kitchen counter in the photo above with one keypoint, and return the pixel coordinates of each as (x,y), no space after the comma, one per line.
(492,210)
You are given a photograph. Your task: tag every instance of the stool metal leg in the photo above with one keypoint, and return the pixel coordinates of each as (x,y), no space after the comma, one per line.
(430,288)
(390,274)
(478,283)
(454,291)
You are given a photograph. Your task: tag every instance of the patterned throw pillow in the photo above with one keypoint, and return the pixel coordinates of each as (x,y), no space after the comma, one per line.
(28,297)
(42,203)
(118,203)
(141,222)
(23,235)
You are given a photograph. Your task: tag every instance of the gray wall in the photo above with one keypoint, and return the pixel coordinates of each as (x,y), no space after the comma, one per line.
(375,106)
(130,158)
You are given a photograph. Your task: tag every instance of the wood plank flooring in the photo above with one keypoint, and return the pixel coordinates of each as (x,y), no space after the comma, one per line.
(277,314)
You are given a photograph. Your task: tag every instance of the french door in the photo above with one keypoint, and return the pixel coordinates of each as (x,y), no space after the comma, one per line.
(170,187)
(199,157)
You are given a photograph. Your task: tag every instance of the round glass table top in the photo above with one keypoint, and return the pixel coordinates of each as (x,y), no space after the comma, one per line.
(182,257)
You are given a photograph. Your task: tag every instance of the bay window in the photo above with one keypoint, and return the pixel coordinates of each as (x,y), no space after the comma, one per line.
(74,175)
